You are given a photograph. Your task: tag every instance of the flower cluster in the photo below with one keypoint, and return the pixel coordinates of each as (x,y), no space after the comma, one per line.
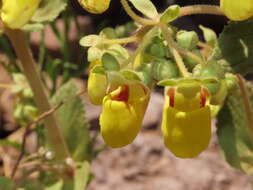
(186,123)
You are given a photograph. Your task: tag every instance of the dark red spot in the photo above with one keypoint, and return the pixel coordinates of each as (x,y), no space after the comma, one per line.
(123,95)
(171,94)
(203,97)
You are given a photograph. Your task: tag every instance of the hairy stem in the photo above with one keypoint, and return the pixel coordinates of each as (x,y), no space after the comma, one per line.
(200,9)
(174,52)
(53,132)
(121,40)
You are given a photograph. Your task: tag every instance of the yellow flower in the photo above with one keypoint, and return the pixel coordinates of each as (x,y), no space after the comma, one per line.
(97,86)
(237,10)
(95,6)
(186,124)
(122,114)
(16,13)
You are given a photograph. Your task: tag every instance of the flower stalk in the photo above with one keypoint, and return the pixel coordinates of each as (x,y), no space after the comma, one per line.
(53,132)
(200,9)
(174,52)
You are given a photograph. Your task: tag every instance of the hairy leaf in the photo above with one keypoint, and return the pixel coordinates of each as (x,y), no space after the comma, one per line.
(72,120)
(234,134)
(235,46)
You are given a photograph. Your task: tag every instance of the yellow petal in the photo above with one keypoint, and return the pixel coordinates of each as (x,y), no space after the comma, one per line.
(97,85)
(95,6)
(16,13)
(237,10)
(186,124)
(122,116)
(186,134)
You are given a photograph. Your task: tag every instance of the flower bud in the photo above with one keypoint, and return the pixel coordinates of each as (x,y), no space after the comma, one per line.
(237,10)
(186,124)
(16,13)
(97,85)
(95,6)
(122,114)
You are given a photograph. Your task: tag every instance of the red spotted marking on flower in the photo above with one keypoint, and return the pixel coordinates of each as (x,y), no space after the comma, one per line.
(203,97)
(171,94)
(123,95)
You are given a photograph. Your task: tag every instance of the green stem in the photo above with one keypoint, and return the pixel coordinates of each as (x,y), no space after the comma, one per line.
(200,9)
(174,52)
(134,16)
(53,132)
(121,40)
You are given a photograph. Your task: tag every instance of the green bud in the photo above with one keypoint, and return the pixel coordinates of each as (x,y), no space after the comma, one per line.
(211,69)
(164,69)
(157,48)
(187,40)
(110,63)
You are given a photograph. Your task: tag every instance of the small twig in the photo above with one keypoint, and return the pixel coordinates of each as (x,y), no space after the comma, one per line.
(33,170)
(22,151)
(38,119)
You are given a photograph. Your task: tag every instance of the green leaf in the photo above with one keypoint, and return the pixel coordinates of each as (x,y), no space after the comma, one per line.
(90,40)
(146,7)
(209,35)
(6,183)
(233,132)
(170,14)
(49,10)
(118,51)
(81,177)
(73,122)
(130,74)
(56,186)
(99,69)
(110,62)
(235,46)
